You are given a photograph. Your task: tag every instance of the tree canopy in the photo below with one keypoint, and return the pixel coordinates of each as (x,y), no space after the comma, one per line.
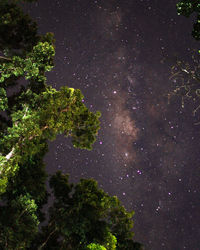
(38,111)
(82,216)
(188,7)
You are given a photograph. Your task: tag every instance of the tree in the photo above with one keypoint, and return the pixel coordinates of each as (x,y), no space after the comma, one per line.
(50,113)
(188,7)
(82,216)
(18,33)
(83,213)
(38,111)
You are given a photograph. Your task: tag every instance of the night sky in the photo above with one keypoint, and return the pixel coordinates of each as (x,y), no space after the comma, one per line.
(119,54)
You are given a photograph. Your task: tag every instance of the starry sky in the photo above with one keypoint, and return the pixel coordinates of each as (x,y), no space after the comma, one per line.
(119,54)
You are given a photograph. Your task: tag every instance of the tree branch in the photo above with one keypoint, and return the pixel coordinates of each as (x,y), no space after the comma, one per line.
(5,58)
(44,243)
(9,155)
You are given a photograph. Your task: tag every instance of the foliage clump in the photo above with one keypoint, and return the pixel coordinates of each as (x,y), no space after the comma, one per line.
(188,7)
